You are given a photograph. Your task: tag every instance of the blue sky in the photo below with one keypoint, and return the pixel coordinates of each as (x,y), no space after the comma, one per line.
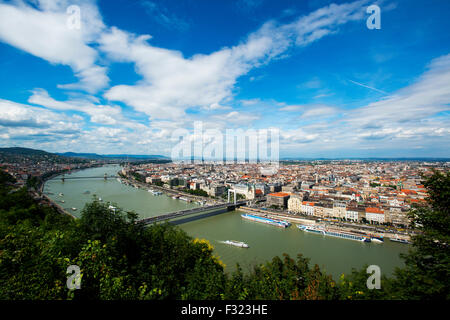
(136,71)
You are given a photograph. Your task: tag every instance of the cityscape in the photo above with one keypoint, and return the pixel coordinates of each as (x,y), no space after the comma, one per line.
(247,150)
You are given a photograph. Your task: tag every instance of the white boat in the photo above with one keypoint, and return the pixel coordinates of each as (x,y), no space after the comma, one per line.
(155,193)
(273,222)
(100,199)
(331,233)
(400,240)
(74,209)
(236,243)
(60,194)
(62,201)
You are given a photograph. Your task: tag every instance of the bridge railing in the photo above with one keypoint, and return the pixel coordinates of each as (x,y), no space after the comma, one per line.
(188,211)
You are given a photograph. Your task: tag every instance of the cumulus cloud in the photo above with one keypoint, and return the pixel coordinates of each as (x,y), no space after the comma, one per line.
(429,95)
(102,114)
(44,33)
(19,122)
(172,83)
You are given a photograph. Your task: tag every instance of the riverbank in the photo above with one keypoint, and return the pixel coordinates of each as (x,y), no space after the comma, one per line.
(299,220)
(39,194)
(172,192)
(56,206)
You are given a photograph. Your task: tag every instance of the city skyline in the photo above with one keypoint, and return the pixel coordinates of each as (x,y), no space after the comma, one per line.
(133,73)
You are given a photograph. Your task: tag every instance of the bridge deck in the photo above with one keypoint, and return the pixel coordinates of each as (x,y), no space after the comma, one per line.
(187,212)
(93,177)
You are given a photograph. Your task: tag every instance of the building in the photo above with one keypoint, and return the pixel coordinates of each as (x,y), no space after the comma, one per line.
(308,208)
(375,215)
(279,199)
(153,179)
(246,190)
(398,217)
(265,189)
(214,190)
(295,204)
(354,213)
(339,209)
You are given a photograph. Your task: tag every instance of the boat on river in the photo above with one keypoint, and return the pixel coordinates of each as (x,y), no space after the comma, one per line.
(400,240)
(273,222)
(334,233)
(236,243)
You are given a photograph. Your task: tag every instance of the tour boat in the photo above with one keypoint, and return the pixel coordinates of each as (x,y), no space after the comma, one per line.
(377,239)
(337,234)
(273,222)
(236,243)
(400,240)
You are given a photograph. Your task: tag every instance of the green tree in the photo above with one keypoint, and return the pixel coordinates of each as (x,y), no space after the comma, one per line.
(427,271)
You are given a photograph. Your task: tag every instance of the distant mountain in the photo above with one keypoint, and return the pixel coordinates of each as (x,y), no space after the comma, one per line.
(24,151)
(112,156)
(18,154)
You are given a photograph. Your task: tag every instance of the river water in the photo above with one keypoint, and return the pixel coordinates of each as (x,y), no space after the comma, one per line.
(335,256)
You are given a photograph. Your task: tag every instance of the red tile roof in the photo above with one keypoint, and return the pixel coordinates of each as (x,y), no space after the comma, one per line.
(279,194)
(374,210)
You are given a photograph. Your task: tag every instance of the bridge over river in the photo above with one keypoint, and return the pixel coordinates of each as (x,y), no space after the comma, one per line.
(105,176)
(210,210)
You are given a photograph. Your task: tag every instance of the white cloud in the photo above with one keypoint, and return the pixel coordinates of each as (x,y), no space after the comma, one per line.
(172,83)
(44,33)
(429,95)
(24,123)
(102,114)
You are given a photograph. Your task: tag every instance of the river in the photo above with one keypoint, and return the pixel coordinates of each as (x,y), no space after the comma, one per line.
(334,256)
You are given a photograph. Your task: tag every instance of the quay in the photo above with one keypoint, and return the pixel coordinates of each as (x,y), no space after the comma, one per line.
(312,222)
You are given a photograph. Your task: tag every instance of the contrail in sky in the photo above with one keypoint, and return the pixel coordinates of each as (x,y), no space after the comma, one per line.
(365,86)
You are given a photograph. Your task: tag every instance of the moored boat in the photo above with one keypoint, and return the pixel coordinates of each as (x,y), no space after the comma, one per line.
(400,240)
(377,239)
(334,233)
(273,222)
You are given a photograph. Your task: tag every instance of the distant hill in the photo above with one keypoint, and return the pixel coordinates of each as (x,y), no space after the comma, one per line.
(24,151)
(16,152)
(112,156)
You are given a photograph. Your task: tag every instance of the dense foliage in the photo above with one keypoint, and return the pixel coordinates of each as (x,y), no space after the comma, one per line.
(120,259)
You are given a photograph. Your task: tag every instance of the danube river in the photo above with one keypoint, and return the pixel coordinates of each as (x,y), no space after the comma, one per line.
(335,256)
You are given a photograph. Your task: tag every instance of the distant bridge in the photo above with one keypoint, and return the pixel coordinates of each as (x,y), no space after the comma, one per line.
(105,176)
(190,212)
